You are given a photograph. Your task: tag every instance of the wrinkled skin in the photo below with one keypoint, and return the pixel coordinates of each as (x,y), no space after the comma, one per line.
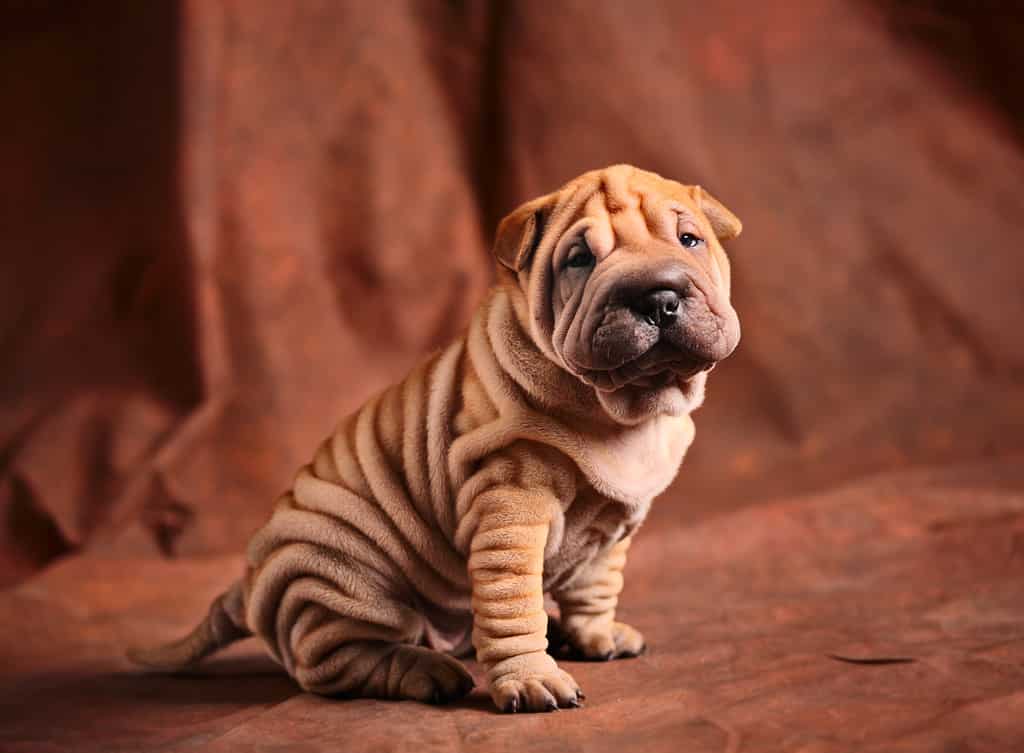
(589,317)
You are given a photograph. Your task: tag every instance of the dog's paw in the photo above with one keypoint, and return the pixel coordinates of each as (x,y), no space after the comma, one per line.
(537,685)
(431,677)
(593,640)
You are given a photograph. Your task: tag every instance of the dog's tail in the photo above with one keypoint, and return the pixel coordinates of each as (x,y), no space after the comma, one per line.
(223,625)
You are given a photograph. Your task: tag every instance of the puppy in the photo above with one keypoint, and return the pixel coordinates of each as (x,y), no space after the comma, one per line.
(517,462)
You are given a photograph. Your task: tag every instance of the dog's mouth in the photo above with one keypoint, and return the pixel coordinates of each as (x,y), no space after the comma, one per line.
(628,350)
(654,369)
(647,330)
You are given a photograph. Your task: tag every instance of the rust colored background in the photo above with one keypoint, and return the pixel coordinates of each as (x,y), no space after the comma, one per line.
(226,224)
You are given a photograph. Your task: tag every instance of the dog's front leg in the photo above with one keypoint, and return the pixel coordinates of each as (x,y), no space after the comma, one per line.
(587,607)
(506,565)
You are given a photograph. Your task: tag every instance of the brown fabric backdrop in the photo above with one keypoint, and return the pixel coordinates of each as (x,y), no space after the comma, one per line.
(227,224)
(201,277)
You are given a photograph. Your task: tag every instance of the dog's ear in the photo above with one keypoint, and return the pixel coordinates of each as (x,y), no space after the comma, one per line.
(520,232)
(725,224)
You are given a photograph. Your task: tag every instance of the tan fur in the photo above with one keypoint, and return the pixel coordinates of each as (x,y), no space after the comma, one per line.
(435,518)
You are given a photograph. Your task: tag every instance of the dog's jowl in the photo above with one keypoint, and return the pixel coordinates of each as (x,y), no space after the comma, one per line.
(519,461)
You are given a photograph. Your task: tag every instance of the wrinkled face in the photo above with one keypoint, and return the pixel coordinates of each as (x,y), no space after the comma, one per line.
(628,288)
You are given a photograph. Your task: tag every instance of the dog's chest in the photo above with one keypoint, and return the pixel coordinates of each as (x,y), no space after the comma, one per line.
(635,466)
(621,474)
(584,531)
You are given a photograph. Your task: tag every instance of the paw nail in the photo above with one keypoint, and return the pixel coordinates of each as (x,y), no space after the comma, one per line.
(551,706)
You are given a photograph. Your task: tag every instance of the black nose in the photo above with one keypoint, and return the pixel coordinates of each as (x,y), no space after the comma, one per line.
(659,307)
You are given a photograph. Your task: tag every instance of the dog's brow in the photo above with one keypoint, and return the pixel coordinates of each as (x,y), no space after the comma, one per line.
(651,214)
(684,214)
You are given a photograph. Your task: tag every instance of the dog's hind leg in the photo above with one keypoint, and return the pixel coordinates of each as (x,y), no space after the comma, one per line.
(336,611)
(334,655)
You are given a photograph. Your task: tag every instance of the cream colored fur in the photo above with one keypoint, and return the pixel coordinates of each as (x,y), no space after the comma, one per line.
(434,519)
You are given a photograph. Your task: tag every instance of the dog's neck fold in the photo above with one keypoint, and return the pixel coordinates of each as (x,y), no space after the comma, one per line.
(537,400)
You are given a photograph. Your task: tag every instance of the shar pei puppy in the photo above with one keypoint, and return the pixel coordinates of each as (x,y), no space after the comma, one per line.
(517,462)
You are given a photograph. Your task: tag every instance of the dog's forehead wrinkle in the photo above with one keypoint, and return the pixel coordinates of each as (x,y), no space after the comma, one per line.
(596,207)
(622,201)
(616,187)
(649,209)
(630,227)
(599,233)
(652,210)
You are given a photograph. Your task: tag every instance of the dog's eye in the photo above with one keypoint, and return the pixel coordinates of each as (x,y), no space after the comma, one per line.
(581,257)
(690,240)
